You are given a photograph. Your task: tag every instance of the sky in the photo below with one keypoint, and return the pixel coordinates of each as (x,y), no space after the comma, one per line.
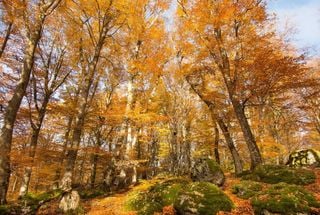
(304,17)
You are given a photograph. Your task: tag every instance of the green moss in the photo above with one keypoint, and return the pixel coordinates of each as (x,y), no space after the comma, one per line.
(274,174)
(183,194)
(246,189)
(150,208)
(4,209)
(155,197)
(213,165)
(90,194)
(284,199)
(202,198)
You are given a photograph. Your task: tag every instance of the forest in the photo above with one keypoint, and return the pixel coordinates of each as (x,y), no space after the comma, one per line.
(150,107)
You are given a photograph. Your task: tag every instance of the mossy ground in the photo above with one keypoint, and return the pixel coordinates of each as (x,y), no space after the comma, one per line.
(284,199)
(247,189)
(273,174)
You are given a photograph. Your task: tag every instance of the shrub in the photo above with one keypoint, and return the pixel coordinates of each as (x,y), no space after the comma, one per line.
(284,199)
(274,174)
(246,189)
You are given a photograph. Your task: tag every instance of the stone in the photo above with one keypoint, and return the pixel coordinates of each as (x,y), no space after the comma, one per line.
(301,158)
(70,201)
(207,170)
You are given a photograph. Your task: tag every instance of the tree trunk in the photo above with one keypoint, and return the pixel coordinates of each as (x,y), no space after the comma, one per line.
(6,38)
(11,114)
(235,155)
(94,159)
(216,144)
(33,145)
(255,155)
(63,154)
(83,103)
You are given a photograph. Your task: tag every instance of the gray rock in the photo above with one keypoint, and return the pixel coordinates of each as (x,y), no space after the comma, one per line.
(207,170)
(70,201)
(308,157)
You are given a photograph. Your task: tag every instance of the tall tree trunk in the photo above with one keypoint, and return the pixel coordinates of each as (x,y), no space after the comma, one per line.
(6,38)
(33,145)
(216,143)
(254,151)
(63,153)
(11,114)
(234,153)
(95,158)
(129,128)
(81,114)
(238,107)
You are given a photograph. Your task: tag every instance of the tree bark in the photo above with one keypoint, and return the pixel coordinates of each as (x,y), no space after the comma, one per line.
(216,144)
(33,145)
(254,151)
(6,38)
(234,153)
(11,114)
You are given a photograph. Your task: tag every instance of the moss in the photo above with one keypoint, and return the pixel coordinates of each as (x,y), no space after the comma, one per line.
(202,198)
(182,194)
(90,194)
(274,174)
(246,189)
(213,165)
(155,197)
(284,199)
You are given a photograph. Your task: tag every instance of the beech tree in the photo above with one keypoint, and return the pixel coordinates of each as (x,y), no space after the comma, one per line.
(33,16)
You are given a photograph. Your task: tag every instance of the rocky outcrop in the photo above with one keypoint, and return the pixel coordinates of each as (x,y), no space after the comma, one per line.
(70,201)
(207,170)
(308,157)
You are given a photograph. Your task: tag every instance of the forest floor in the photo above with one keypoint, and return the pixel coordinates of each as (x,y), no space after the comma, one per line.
(114,205)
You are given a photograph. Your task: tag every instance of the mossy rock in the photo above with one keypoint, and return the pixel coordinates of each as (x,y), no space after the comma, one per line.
(284,199)
(156,197)
(273,174)
(308,157)
(247,189)
(10,209)
(207,170)
(32,201)
(208,198)
(202,198)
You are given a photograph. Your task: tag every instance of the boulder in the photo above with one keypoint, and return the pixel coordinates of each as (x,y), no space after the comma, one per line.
(308,157)
(207,170)
(70,201)
(202,198)
(178,195)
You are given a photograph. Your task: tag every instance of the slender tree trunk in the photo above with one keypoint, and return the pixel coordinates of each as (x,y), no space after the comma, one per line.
(129,128)
(234,153)
(216,143)
(83,103)
(28,170)
(63,153)
(94,159)
(33,146)
(6,38)
(11,114)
